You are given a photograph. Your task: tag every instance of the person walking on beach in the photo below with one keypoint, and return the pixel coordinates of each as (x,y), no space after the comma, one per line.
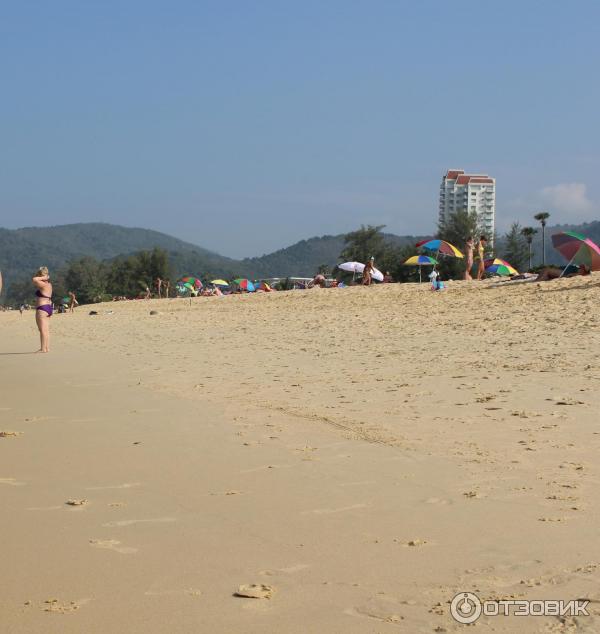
(148,294)
(72,301)
(469,251)
(43,306)
(159,284)
(368,272)
(481,255)
(167,287)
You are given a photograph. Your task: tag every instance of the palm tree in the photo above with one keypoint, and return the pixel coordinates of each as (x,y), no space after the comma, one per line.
(528,233)
(542,217)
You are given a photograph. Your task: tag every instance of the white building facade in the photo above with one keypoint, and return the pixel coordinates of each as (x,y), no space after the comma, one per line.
(469,192)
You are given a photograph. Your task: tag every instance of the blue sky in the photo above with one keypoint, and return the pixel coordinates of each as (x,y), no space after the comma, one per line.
(245,126)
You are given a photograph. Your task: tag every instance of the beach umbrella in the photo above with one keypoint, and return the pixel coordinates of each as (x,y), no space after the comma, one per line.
(496,266)
(220,282)
(193,281)
(352,267)
(245,285)
(577,249)
(440,246)
(420,260)
(359,267)
(262,286)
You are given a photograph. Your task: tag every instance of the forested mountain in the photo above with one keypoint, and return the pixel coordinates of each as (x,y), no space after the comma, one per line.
(22,251)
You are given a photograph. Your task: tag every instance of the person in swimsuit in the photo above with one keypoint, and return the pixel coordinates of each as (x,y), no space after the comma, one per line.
(368,272)
(469,251)
(481,256)
(72,301)
(43,306)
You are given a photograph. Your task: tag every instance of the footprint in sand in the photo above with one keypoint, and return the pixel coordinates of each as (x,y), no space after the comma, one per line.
(255,591)
(229,492)
(437,501)
(126,485)
(359,482)
(10,434)
(414,543)
(268,466)
(37,419)
(338,510)
(11,482)
(158,520)
(76,502)
(191,592)
(113,544)
(288,571)
(54,605)
(386,610)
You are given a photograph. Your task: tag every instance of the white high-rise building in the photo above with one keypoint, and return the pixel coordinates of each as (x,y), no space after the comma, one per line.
(469,192)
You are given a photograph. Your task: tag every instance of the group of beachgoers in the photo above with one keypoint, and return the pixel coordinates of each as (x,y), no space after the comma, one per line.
(44,307)
(469,248)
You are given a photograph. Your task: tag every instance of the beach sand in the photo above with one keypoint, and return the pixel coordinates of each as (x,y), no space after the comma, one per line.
(366,453)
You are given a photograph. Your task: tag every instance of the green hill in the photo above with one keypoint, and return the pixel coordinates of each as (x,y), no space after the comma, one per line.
(22,251)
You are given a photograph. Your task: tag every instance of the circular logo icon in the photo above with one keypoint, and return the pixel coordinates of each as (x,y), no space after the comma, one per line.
(465,607)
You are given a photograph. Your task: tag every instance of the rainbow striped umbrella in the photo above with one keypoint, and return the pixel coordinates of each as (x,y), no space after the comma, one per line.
(577,249)
(420,260)
(496,266)
(440,246)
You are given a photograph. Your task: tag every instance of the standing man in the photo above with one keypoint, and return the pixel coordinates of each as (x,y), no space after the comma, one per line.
(481,255)
(159,287)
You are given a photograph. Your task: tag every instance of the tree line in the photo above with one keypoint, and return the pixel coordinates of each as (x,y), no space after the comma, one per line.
(95,280)
(515,246)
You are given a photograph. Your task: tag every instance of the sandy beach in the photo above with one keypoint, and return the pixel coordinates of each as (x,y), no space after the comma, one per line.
(366,453)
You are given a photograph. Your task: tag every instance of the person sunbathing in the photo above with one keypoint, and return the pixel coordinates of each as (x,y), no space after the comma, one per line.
(554,272)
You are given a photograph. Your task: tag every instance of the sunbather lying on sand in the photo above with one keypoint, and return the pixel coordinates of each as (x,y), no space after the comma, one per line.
(553,272)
